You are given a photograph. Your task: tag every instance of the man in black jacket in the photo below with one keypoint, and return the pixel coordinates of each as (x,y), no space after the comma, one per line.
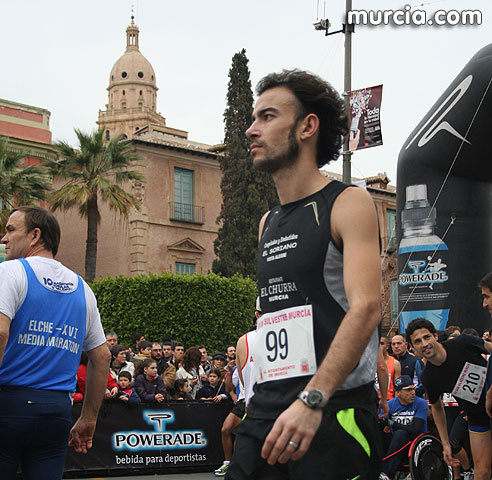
(410,364)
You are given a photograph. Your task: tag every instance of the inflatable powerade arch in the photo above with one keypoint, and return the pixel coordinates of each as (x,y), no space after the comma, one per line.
(444,204)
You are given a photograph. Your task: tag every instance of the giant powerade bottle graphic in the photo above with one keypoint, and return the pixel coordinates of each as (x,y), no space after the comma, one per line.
(423,281)
(444,204)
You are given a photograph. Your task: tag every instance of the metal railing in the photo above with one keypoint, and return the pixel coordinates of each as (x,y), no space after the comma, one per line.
(185,212)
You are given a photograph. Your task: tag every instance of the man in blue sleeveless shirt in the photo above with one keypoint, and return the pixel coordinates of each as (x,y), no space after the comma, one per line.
(313,413)
(48,315)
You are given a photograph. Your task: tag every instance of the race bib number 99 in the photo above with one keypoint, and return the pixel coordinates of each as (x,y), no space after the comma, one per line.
(284,346)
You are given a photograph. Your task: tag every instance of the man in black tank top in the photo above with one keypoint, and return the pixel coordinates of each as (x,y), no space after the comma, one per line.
(313,414)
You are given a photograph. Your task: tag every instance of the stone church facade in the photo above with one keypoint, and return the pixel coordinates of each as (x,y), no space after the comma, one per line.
(176,226)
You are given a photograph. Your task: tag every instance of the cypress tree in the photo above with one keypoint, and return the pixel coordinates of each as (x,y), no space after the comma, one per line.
(246,192)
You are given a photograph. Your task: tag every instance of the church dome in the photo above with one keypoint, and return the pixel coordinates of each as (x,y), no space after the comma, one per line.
(132,83)
(132,67)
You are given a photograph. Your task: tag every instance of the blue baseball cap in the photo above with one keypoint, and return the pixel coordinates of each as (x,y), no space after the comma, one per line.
(403,382)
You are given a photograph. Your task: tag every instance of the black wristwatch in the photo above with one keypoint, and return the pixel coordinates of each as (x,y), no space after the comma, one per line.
(313,398)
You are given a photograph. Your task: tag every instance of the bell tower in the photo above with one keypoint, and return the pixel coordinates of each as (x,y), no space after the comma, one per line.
(132,92)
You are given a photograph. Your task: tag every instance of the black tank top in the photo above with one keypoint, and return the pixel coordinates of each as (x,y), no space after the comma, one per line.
(298,264)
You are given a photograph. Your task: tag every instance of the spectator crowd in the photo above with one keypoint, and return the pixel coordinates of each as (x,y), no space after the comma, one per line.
(161,371)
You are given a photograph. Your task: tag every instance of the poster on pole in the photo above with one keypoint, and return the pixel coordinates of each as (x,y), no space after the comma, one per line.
(365,126)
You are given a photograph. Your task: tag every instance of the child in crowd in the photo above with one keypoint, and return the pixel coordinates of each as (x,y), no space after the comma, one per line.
(214,390)
(137,338)
(126,394)
(144,351)
(181,390)
(149,386)
(78,396)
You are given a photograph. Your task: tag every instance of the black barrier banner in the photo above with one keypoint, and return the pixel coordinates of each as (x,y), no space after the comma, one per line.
(153,438)
(365,126)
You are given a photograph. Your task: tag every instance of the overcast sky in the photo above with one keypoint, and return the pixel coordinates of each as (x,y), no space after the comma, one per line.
(58,55)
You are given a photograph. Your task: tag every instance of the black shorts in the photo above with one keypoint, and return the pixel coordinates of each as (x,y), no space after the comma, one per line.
(478,420)
(239,409)
(347,445)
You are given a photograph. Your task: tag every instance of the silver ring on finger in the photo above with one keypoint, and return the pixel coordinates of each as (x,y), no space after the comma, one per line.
(293,444)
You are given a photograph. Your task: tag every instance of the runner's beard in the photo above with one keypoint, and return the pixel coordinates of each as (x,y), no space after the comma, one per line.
(277,160)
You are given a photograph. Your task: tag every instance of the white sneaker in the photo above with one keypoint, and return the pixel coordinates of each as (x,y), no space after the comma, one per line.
(467,474)
(222,470)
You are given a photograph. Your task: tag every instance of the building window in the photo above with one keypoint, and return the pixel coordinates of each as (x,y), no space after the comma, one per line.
(141,92)
(391,229)
(107,135)
(182,268)
(123,92)
(140,74)
(183,194)
(394,301)
(124,74)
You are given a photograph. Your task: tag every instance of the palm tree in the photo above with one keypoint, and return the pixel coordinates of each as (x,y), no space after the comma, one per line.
(95,171)
(19,185)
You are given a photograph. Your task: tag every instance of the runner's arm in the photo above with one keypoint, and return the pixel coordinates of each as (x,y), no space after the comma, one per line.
(4,334)
(354,223)
(97,377)
(440,420)
(354,226)
(397,369)
(383,381)
(241,350)
(229,385)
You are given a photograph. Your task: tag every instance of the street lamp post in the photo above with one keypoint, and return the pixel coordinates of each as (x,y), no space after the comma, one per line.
(347,30)
(347,86)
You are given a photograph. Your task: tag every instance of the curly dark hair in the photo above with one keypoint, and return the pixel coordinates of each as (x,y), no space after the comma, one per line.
(416,324)
(317,96)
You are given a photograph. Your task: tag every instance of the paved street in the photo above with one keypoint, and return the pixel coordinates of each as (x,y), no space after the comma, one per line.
(172,476)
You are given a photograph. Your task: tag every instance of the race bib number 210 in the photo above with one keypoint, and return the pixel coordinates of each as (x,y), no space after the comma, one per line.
(284,346)
(470,382)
